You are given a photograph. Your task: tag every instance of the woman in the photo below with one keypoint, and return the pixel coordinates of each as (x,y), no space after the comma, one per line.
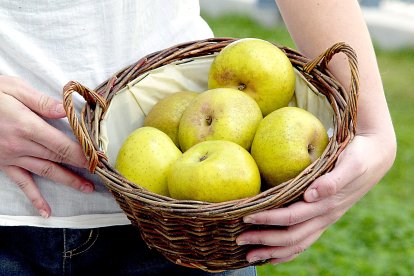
(58,219)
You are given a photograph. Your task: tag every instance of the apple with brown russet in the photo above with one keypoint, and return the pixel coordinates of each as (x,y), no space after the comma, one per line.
(166,114)
(214,171)
(257,68)
(145,159)
(286,142)
(219,114)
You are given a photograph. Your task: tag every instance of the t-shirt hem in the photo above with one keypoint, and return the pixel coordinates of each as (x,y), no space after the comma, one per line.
(75,222)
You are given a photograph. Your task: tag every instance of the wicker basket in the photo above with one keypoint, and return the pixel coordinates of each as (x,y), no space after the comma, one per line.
(199,234)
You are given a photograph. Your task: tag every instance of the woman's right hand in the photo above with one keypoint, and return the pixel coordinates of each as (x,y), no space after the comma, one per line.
(29,145)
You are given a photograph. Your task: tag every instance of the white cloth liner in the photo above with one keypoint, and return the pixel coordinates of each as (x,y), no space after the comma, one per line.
(130,105)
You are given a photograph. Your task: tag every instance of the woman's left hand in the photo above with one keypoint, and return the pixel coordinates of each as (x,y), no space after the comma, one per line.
(359,167)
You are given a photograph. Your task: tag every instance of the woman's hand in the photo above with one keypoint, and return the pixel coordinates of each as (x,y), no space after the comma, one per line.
(30,145)
(362,164)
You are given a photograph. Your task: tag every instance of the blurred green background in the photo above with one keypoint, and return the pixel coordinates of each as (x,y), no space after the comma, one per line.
(376,236)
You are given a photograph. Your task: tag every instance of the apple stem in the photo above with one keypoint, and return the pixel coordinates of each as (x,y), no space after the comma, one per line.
(204,157)
(209,120)
(241,86)
(310,148)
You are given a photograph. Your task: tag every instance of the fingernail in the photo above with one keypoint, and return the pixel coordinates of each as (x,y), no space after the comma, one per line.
(44,214)
(253,259)
(86,188)
(314,194)
(249,219)
(242,242)
(59,109)
(85,163)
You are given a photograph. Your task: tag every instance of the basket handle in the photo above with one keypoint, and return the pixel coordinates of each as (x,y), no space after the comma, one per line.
(79,128)
(324,59)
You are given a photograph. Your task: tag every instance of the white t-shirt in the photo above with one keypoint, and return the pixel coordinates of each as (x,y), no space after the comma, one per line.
(48,43)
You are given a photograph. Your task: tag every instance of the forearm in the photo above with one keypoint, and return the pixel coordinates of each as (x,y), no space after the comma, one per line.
(316,25)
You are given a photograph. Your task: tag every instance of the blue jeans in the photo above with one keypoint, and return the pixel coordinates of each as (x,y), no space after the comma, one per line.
(116,250)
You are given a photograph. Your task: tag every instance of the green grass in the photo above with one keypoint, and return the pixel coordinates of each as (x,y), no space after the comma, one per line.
(376,236)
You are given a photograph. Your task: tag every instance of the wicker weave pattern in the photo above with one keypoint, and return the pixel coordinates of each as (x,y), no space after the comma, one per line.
(199,234)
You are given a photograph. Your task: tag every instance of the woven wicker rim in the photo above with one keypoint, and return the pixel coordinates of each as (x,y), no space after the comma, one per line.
(132,199)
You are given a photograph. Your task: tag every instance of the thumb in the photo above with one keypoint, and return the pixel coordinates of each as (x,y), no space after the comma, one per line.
(38,102)
(324,186)
(346,170)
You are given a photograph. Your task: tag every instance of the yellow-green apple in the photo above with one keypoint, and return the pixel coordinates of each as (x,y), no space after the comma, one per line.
(258,68)
(286,142)
(214,171)
(219,114)
(145,159)
(166,113)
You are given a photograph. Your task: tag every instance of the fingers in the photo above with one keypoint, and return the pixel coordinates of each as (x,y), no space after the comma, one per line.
(282,245)
(20,175)
(68,151)
(284,236)
(280,254)
(27,126)
(40,103)
(303,225)
(283,260)
(293,214)
(25,182)
(54,172)
(33,149)
(29,144)
(283,255)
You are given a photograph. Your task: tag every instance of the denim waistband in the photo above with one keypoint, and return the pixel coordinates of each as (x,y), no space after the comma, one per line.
(115,250)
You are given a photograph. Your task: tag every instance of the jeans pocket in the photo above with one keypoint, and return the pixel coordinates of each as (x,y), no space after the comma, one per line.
(78,241)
